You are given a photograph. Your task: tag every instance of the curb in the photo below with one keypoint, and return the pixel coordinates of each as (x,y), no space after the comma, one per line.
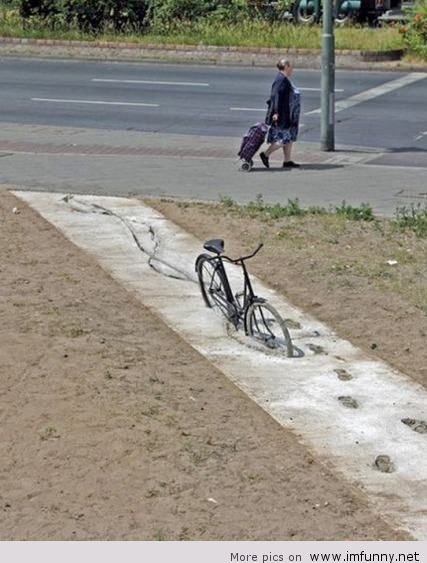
(205,54)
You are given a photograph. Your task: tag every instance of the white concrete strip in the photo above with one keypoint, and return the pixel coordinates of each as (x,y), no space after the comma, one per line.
(154,82)
(372,93)
(96,102)
(301,393)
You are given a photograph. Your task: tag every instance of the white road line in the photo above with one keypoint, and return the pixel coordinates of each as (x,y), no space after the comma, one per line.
(421,135)
(159,82)
(375,92)
(264,109)
(248,109)
(96,102)
(318,89)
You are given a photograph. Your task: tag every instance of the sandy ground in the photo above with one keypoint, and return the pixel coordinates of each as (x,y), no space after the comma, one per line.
(113,428)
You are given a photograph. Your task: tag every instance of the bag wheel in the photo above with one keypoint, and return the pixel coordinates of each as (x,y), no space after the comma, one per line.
(246,166)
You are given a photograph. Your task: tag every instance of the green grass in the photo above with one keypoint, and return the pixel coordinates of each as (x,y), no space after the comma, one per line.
(406,219)
(413,218)
(292,208)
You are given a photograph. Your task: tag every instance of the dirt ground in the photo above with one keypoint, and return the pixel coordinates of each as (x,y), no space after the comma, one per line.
(113,428)
(337,270)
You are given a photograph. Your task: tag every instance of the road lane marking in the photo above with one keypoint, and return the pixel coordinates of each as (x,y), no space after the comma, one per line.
(96,102)
(248,109)
(421,135)
(157,82)
(301,90)
(318,89)
(375,92)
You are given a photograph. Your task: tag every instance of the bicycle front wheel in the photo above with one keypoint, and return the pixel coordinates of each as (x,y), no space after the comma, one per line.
(264,324)
(212,285)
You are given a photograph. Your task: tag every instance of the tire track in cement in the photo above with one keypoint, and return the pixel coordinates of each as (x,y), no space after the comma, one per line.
(352,411)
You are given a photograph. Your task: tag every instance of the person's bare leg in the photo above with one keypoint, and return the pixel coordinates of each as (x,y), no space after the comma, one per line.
(287,151)
(273,147)
(264,156)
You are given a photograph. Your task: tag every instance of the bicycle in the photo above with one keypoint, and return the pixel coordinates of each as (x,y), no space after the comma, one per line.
(260,320)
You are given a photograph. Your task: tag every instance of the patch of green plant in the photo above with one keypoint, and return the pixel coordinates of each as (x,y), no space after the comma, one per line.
(275,211)
(414,31)
(293,208)
(49,433)
(363,212)
(226,201)
(413,218)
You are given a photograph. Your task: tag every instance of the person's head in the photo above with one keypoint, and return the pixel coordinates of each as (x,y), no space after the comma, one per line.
(285,66)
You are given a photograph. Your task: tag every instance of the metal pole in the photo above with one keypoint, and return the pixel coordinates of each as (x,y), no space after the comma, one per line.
(327,116)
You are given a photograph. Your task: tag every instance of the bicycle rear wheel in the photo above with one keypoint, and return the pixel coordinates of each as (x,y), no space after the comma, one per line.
(264,324)
(212,285)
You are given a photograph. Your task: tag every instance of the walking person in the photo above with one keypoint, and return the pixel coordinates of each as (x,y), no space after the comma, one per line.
(283,113)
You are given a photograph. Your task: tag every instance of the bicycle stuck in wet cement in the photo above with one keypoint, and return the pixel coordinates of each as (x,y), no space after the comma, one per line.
(260,320)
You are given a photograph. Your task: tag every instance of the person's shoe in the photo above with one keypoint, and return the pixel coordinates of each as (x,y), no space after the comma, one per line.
(264,159)
(290,164)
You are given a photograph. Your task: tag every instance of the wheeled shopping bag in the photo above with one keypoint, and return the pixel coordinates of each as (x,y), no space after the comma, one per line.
(250,145)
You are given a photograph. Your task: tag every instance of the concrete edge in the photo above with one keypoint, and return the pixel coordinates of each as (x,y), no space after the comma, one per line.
(202,54)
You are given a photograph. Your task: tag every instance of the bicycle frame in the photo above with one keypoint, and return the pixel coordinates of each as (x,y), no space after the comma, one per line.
(248,294)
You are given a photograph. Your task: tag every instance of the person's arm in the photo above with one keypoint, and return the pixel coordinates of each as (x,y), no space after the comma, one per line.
(275,100)
(285,100)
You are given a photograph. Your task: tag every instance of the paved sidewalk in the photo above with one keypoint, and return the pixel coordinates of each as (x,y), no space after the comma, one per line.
(153,164)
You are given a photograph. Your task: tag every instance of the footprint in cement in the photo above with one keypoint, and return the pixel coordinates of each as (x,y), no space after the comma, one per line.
(343,374)
(419,426)
(384,464)
(317,349)
(348,402)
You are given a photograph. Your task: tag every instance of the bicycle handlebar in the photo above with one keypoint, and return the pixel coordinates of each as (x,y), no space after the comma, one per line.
(242,258)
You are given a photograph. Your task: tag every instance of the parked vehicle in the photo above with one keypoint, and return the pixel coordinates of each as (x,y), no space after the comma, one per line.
(373,12)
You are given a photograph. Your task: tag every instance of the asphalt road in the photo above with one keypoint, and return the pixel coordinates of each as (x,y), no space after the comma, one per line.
(376,109)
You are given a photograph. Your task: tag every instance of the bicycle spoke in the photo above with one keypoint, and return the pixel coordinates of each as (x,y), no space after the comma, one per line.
(265,325)
(212,286)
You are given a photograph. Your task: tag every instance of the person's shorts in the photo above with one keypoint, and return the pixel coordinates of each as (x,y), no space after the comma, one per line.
(281,136)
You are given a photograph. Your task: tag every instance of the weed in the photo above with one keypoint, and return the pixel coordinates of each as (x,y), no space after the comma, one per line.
(151,411)
(184,534)
(226,201)
(183,204)
(276,210)
(413,218)
(293,208)
(160,535)
(362,213)
(197,457)
(49,433)
(75,332)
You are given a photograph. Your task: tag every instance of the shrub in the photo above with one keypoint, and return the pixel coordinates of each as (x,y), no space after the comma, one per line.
(232,11)
(163,15)
(91,16)
(166,15)
(41,9)
(415,30)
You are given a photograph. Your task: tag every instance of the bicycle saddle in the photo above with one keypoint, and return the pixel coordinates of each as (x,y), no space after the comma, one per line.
(215,245)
